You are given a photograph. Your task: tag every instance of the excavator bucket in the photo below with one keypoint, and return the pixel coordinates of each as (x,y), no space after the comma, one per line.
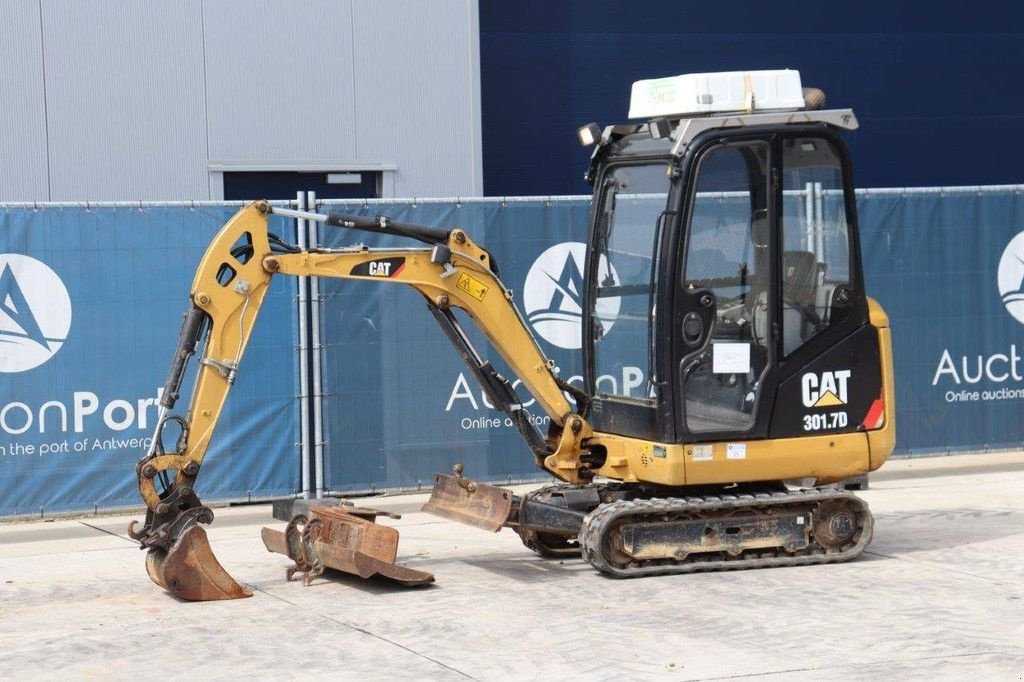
(475,504)
(189,570)
(344,538)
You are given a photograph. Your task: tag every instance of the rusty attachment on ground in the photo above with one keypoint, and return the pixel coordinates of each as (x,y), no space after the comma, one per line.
(179,558)
(189,570)
(344,538)
(475,504)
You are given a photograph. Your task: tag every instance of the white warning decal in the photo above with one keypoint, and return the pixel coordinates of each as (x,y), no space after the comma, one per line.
(736,451)
(702,453)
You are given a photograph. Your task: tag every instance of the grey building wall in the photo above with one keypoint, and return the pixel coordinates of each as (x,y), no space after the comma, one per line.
(22,103)
(151,100)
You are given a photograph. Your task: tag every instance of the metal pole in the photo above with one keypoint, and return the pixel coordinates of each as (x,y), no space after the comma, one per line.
(304,450)
(809,215)
(819,223)
(317,349)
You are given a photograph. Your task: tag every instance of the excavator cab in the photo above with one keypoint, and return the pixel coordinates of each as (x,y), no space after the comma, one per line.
(722,270)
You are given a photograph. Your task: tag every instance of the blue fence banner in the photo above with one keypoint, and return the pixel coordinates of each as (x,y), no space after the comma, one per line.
(91,301)
(948,267)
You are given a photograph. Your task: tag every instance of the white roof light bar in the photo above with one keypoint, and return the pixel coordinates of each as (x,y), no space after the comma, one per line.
(706,93)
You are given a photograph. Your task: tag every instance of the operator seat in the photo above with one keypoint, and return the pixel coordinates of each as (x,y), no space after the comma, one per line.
(800,319)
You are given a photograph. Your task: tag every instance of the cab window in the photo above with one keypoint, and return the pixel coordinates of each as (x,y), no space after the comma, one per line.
(623,311)
(815,240)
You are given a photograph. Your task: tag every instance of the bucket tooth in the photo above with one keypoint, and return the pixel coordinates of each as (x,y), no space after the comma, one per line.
(190,571)
(346,539)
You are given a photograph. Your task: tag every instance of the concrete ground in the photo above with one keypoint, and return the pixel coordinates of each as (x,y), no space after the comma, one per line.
(939,595)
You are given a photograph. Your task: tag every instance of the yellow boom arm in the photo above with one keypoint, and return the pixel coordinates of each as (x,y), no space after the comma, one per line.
(228,291)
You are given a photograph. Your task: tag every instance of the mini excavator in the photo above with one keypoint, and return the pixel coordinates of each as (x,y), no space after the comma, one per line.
(722,259)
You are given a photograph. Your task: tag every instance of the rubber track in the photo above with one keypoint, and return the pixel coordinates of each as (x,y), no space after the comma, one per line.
(601,520)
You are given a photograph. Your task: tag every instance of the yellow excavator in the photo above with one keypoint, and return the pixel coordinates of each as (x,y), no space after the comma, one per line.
(722,260)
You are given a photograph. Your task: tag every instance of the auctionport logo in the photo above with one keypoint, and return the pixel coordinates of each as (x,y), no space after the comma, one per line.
(1011,277)
(553,295)
(35,313)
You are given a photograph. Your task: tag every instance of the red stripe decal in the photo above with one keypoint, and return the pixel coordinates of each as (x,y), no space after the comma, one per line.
(875,416)
(399,270)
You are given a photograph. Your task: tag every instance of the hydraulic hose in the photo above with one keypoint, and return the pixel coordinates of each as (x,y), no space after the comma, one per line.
(384,225)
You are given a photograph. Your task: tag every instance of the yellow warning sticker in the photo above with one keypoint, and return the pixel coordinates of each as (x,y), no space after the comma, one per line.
(472,286)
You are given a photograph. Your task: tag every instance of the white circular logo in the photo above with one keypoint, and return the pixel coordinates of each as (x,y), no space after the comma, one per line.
(553,295)
(1011,277)
(35,313)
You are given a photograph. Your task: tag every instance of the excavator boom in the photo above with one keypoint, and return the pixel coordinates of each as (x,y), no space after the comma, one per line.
(451,273)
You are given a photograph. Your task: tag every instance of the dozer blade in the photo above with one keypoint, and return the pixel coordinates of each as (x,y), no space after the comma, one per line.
(346,539)
(365,566)
(475,504)
(189,570)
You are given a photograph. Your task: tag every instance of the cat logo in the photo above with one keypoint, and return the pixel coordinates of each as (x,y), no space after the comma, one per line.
(382,267)
(825,390)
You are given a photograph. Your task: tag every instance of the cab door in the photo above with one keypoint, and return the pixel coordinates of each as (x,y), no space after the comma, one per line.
(726,291)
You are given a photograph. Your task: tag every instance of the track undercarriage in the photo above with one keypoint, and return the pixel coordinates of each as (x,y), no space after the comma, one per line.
(628,531)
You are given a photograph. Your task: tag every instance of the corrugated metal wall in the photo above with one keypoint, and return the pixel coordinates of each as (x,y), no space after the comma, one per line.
(286,95)
(933,83)
(447,122)
(151,100)
(124,99)
(22,100)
